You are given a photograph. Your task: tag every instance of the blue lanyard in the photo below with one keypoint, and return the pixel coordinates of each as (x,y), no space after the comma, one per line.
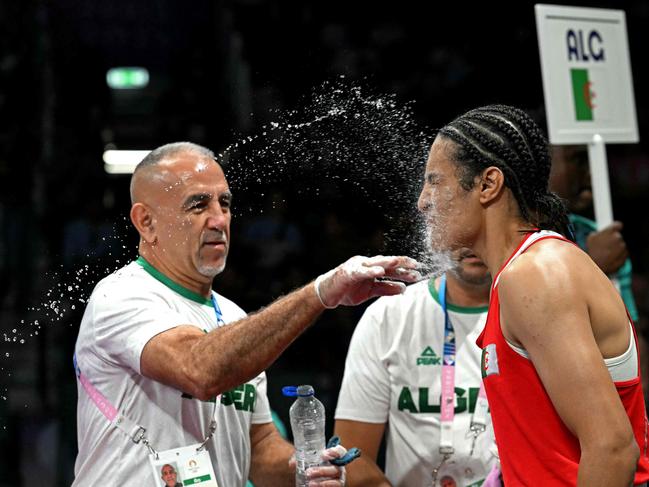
(217,310)
(449,332)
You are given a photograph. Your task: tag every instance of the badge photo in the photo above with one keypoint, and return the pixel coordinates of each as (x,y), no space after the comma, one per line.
(189,465)
(468,473)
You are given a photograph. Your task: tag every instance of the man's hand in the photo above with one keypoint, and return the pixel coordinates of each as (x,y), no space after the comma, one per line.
(361,278)
(607,248)
(326,475)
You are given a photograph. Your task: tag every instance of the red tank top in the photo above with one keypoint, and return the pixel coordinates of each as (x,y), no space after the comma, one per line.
(534,445)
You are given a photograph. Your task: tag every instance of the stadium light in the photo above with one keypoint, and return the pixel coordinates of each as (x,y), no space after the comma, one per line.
(127,78)
(122,161)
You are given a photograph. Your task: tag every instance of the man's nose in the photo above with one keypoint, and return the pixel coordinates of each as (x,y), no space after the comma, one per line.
(217,218)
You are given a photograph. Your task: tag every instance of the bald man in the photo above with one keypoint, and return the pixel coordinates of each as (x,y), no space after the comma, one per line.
(159,354)
(169,476)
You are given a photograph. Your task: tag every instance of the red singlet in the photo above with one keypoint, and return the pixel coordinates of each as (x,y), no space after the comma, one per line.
(534,445)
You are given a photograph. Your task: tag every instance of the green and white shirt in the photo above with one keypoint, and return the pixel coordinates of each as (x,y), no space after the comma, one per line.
(127,309)
(393,375)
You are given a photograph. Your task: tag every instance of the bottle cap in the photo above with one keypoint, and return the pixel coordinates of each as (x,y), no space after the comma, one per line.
(301,391)
(289,391)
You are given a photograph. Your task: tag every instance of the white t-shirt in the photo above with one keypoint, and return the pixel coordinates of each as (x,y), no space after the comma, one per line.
(127,309)
(393,375)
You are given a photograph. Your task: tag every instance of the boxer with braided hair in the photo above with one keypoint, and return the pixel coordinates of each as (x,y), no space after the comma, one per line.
(507,138)
(559,352)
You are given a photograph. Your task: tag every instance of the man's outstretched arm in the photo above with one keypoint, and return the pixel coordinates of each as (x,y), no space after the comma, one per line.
(205,365)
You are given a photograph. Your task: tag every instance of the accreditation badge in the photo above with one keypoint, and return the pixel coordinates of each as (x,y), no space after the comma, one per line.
(188,465)
(469,472)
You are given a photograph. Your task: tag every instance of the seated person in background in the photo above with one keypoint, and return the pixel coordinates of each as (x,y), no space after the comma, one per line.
(393,376)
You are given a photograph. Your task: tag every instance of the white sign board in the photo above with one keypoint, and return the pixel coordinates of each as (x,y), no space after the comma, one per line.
(586,74)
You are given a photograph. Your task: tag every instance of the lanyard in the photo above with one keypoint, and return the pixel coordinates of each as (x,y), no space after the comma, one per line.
(448,377)
(217,310)
(133,430)
(479,418)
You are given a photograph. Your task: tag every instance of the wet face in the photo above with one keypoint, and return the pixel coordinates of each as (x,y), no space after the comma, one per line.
(169,475)
(192,215)
(449,211)
(570,176)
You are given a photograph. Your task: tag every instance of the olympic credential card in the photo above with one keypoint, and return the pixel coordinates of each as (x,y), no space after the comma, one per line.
(183,466)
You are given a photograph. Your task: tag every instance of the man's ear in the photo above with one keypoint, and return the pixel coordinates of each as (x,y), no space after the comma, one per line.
(492,183)
(143,221)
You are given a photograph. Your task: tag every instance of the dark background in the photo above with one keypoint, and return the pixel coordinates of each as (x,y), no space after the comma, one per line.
(220,71)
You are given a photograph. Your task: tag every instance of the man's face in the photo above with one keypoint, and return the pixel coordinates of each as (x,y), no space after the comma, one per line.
(470,269)
(448,209)
(169,475)
(192,216)
(570,176)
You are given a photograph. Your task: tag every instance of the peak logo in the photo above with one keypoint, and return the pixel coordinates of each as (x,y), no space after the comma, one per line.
(428,357)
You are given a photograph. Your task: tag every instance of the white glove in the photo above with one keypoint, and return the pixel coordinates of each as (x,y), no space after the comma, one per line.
(356,280)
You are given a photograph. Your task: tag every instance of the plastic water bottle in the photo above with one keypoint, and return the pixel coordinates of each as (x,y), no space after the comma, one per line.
(308,426)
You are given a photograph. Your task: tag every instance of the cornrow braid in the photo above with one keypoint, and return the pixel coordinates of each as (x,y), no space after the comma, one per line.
(494,144)
(507,138)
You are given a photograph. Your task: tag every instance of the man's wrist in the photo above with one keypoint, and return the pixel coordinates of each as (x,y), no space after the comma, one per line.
(316,286)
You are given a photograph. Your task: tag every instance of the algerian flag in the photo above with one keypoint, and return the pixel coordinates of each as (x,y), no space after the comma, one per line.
(489,361)
(582,94)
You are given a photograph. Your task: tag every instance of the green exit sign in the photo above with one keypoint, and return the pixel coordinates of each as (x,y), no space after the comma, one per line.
(127,78)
